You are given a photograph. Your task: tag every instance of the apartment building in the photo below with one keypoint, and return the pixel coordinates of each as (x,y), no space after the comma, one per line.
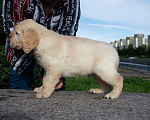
(122,44)
(129,41)
(135,41)
(148,41)
(139,40)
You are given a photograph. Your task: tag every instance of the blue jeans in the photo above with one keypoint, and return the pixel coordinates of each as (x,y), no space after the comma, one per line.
(25,80)
(21,82)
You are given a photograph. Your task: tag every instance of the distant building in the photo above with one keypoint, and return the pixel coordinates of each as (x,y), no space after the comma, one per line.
(116,44)
(148,41)
(122,44)
(112,44)
(129,41)
(138,40)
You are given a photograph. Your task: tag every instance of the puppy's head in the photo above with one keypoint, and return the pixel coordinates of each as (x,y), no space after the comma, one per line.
(24,37)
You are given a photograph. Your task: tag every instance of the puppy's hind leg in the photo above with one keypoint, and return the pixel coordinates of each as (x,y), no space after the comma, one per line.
(102,88)
(115,80)
(117,84)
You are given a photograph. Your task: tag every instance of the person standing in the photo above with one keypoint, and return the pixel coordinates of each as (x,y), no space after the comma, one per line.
(61,16)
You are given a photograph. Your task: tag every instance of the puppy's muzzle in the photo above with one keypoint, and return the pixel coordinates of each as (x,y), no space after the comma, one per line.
(15,45)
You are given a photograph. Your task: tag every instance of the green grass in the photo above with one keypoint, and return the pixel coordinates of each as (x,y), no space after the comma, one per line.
(80,84)
(135,84)
(130,84)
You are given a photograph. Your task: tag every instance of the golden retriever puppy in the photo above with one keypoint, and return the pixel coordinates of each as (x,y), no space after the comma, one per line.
(67,56)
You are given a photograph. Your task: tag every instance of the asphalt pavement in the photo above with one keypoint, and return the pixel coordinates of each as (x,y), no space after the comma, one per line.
(72,105)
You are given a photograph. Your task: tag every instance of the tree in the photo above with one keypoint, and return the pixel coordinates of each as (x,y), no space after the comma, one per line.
(130,51)
(122,52)
(141,51)
(148,52)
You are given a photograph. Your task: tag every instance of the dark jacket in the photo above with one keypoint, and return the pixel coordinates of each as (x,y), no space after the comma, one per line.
(63,18)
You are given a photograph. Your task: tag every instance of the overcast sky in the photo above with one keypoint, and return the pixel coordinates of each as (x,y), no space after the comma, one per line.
(110,20)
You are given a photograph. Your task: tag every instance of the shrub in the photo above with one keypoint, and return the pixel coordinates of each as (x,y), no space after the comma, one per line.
(4,69)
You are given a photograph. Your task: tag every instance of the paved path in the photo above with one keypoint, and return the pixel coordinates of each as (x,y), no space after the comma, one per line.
(71,105)
(135,73)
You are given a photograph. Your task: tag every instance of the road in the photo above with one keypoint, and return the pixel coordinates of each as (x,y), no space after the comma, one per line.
(137,61)
(131,73)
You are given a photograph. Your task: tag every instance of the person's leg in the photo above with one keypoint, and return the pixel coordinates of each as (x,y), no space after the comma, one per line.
(21,82)
(63,87)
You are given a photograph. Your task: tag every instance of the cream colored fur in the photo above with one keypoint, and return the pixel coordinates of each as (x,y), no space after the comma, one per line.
(66,56)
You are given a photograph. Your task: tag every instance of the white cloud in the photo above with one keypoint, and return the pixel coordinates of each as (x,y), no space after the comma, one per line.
(128,12)
(97,33)
(109,26)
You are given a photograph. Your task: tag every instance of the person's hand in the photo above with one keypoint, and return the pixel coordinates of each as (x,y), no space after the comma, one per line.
(59,85)
(12,33)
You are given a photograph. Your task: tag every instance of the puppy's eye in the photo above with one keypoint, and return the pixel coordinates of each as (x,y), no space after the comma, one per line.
(17,33)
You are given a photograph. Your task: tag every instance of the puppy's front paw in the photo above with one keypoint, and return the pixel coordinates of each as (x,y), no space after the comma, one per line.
(41,95)
(38,90)
(44,93)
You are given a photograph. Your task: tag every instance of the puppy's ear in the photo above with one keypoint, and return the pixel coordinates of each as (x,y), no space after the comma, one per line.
(30,40)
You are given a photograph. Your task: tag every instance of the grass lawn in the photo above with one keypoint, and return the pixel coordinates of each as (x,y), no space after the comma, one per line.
(130,84)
